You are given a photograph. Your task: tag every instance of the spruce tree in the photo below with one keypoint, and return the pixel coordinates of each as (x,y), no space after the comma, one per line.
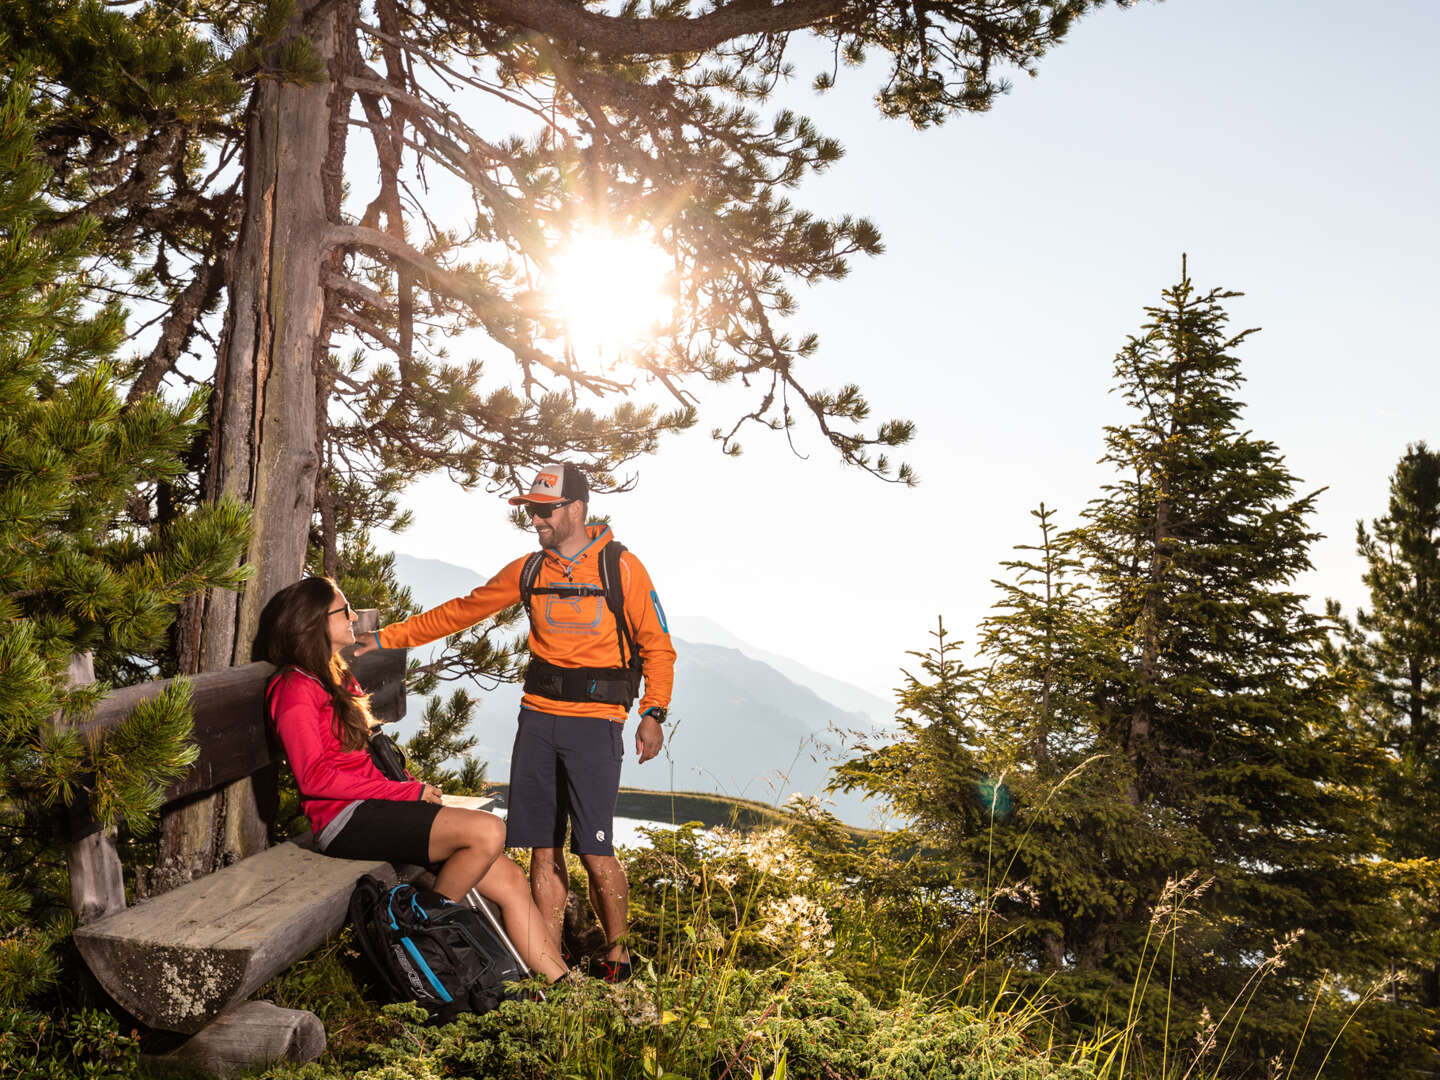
(1394,648)
(83,568)
(1222,701)
(1003,773)
(1151,746)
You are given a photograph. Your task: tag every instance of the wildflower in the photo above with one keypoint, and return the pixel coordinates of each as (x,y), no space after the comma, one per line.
(797,922)
(807,807)
(768,851)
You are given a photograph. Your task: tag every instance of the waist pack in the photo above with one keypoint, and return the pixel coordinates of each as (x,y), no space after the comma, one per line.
(431,950)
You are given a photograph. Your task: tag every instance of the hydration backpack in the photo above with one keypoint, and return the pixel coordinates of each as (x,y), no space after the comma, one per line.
(429,949)
(614,686)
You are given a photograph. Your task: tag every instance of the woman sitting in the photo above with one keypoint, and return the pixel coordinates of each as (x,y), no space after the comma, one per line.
(323,718)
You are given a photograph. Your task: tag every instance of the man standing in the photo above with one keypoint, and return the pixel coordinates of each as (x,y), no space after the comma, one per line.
(584,674)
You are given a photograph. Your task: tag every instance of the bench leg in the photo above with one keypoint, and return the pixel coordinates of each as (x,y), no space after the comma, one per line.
(251,1035)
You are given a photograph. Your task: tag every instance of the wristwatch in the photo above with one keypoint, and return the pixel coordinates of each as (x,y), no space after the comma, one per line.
(658,712)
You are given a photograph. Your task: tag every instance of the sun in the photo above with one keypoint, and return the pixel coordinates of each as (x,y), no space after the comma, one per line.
(611,291)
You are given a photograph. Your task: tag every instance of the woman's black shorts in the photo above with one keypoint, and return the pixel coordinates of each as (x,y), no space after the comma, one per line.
(395,830)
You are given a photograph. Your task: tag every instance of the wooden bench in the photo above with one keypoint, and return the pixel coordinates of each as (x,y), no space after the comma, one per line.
(185,960)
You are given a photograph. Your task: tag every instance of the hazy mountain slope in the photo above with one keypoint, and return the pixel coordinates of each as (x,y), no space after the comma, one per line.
(433,582)
(843,695)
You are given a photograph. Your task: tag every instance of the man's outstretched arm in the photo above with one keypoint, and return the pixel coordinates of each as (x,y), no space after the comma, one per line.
(451,617)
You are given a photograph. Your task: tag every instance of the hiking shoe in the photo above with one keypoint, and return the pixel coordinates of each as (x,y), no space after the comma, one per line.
(612,971)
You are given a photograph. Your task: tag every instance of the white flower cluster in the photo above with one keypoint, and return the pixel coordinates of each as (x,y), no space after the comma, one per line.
(810,807)
(768,851)
(797,922)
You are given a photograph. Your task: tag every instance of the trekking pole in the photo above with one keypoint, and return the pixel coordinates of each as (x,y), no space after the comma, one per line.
(480,904)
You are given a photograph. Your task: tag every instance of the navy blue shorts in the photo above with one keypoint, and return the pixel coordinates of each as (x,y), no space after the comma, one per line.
(564,768)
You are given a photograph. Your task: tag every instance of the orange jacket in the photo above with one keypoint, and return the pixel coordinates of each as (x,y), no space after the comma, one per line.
(568,632)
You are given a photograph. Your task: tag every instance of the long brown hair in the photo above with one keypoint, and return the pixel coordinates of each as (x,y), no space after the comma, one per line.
(294,632)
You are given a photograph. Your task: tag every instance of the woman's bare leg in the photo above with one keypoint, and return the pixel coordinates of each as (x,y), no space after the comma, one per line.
(505,884)
(467,842)
(471,842)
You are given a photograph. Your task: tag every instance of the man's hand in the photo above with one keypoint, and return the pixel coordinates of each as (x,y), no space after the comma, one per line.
(364,643)
(431,794)
(648,738)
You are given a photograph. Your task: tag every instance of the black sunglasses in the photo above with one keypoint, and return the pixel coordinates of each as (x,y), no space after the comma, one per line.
(345,609)
(544,510)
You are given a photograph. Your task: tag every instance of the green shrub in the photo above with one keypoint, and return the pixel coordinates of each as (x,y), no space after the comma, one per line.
(85,1045)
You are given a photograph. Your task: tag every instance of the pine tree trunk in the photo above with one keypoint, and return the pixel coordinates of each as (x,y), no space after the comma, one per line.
(1137,743)
(264,437)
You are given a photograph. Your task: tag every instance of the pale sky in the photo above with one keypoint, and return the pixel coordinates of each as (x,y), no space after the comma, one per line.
(1288,146)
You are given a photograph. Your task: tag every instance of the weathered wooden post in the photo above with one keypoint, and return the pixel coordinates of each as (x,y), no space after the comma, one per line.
(97,883)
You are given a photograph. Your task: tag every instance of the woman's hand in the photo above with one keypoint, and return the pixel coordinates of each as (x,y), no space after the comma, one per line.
(431,794)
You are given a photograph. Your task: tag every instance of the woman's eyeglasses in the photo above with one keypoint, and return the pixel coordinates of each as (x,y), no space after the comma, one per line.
(544,510)
(346,609)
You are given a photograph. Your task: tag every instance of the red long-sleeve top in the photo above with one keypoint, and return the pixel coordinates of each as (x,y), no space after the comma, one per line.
(329,776)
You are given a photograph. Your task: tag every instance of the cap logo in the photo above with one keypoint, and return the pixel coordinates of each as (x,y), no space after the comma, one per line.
(548,478)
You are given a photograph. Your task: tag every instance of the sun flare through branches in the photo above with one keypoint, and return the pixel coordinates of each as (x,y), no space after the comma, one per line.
(613,292)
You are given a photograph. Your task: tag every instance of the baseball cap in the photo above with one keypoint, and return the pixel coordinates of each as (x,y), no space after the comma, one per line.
(556,483)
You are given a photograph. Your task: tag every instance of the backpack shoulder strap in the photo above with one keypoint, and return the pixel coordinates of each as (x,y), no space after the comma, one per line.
(366,902)
(612,583)
(528,573)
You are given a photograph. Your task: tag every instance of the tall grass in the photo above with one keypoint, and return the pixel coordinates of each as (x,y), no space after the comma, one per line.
(770,954)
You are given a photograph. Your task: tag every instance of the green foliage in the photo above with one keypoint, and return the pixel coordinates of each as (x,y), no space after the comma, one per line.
(139,759)
(735,975)
(1391,651)
(83,567)
(1152,704)
(441,740)
(715,1019)
(331,983)
(84,1045)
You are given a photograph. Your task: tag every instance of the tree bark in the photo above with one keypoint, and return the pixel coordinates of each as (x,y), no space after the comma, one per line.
(265,420)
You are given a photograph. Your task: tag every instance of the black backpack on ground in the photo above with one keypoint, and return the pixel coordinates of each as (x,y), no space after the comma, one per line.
(431,950)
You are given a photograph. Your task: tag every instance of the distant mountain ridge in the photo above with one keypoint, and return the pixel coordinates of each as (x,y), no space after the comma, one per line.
(842,695)
(740,726)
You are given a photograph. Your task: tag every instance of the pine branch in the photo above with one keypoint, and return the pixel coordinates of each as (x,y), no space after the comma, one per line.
(618,35)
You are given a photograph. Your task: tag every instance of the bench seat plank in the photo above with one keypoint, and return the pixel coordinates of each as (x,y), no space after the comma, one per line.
(178,959)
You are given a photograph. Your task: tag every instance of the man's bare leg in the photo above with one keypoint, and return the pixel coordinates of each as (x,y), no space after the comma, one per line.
(610,897)
(550,885)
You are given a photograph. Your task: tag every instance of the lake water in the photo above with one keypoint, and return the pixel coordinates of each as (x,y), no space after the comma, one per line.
(627,830)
